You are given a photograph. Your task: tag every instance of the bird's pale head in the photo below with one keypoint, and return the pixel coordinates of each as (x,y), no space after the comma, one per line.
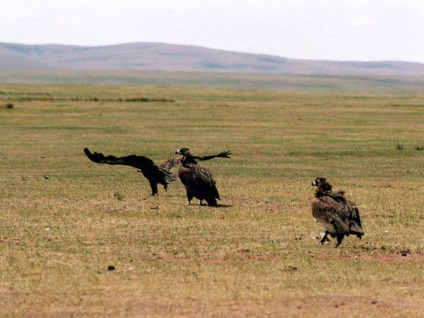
(321,183)
(183,151)
(316,182)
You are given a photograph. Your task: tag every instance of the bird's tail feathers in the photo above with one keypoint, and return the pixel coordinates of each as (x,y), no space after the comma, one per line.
(356,229)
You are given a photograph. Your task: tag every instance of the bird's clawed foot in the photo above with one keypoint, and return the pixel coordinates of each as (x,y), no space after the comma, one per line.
(324,239)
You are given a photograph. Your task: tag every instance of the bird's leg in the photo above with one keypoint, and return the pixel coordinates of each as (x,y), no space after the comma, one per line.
(324,238)
(154,187)
(339,240)
(189,196)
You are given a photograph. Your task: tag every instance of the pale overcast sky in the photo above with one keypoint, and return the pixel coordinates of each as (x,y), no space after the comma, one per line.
(362,30)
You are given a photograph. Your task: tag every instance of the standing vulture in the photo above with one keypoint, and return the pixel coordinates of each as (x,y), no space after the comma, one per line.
(155,174)
(198,179)
(339,216)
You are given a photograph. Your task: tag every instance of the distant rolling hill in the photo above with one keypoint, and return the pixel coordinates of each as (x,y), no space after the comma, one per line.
(183,65)
(177,58)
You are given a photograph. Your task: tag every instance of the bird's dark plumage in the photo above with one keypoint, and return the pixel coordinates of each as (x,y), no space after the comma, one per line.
(154,174)
(198,179)
(339,216)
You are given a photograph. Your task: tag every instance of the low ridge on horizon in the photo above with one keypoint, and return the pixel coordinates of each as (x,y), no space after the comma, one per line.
(156,56)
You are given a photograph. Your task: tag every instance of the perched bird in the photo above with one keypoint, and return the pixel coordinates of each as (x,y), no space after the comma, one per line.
(339,216)
(155,174)
(198,179)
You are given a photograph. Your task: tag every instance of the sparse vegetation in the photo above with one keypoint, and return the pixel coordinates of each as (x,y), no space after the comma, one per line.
(94,99)
(70,247)
(6,106)
(399,146)
(118,196)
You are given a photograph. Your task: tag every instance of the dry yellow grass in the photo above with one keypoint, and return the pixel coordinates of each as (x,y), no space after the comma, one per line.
(64,220)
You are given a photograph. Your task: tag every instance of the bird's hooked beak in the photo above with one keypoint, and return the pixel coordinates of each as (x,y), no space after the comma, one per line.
(183,151)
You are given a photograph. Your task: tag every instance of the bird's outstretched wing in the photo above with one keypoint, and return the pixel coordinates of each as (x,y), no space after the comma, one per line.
(139,162)
(155,174)
(169,164)
(223,154)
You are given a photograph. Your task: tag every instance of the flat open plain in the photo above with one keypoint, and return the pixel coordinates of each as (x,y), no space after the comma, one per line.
(65,220)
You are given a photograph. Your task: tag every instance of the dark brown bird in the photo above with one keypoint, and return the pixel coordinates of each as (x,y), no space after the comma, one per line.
(339,216)
(198,179)
(154,174)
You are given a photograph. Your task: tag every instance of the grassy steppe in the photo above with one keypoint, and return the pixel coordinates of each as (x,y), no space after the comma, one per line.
(64,219)
(324,84)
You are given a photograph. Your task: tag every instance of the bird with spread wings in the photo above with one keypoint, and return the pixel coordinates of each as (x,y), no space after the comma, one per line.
(155,174)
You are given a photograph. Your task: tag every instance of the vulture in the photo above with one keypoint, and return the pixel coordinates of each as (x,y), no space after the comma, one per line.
(339,216)
(198,179)
(155,174)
